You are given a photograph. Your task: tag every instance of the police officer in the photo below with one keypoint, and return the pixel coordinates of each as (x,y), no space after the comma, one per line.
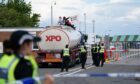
(83,55)
(65,58)
(16,66)
(94,54)
(6,61)
(101,55)
(7,48)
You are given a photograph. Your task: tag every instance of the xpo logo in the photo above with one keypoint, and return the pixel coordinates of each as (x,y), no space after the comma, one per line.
(53,38)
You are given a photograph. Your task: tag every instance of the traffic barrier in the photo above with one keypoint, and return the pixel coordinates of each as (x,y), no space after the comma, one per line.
(107,60)
(111,75)
(116,55)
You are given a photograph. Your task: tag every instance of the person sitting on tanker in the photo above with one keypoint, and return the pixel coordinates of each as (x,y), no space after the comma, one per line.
(60,22)
(20,66)
(71,23)
(67,22)
(64,20)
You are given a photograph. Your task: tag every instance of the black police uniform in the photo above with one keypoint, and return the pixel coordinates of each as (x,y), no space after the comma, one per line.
(65,61)
(83,57)
(94,55)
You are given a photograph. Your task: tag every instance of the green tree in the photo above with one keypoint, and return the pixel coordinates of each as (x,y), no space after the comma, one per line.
(17,13)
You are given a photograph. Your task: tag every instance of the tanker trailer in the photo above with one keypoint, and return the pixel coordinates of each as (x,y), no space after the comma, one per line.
(54,39)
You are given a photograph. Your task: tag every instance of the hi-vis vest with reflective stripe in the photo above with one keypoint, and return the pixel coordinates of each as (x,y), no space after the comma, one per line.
(102,49)
(34,64)
(12,62)
(66,52)
(82,49)
(94,49)
(35,67)
(7,68)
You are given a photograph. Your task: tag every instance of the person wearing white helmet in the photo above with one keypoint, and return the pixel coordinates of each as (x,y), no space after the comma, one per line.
(20,65)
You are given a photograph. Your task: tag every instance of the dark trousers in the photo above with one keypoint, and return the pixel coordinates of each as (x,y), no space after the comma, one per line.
(101,59)
(83,58)
(95,59)
(65,63)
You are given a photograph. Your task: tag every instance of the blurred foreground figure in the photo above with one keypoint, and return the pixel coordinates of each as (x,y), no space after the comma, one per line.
(20,64)
(7,48)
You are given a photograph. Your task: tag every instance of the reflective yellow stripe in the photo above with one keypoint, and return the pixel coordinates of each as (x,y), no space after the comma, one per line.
(94,49)
(11,76)
(8,62)
(102,49)
(35,66)
(82,49)
(66,52)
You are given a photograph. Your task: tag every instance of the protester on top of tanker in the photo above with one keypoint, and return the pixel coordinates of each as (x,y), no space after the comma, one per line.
(67,22)
(60,22)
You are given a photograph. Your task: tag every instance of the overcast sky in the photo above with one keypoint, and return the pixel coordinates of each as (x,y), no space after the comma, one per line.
(120,16)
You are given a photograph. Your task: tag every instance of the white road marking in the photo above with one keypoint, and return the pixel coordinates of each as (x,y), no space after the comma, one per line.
(79,70)
(72,70)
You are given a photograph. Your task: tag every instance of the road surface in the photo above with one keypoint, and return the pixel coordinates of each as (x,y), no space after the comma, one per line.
(127,65)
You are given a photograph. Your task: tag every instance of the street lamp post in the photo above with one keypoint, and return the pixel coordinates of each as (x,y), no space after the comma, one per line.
(51,15)
(85,22)
(93,22)
(53,3)
(94,36)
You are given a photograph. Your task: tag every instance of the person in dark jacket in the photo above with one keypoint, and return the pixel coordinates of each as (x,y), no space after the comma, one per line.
(94,51)
(83,55)
(98,54)
(65,58)
(101,55)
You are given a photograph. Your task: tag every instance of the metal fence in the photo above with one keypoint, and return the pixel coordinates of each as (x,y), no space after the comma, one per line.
(120,51)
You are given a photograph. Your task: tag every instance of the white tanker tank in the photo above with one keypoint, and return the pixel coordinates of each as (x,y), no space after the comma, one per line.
(56,38)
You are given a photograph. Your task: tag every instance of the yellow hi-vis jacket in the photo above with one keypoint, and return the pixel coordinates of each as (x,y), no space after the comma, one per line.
(66,52)
(8,65)
(82,49)
(102,49)
(94,49)
(7,68)
(34,64)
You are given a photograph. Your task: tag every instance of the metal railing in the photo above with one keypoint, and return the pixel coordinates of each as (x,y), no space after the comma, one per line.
(123,51)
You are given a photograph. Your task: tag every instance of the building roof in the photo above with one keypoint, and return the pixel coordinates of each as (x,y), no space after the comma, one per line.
(138,39)
(126,38)
(122,38)
(114,39)
(131,38)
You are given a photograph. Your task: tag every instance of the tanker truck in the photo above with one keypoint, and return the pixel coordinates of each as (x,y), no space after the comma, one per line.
(54,40)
